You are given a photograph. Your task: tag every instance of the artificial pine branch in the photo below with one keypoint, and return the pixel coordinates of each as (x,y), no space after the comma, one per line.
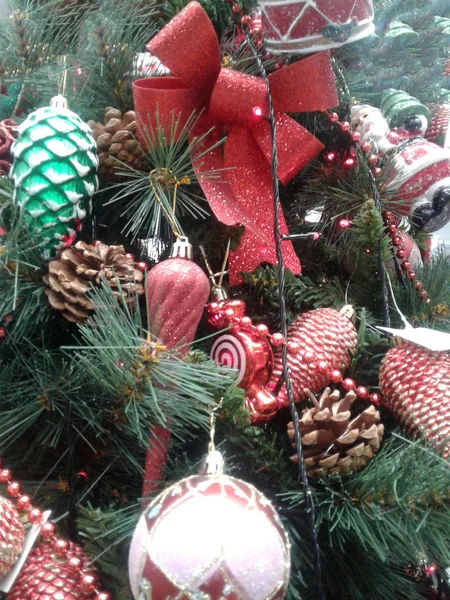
(23,306)
(155,200)
(435,278)
(36,34)
(110,42)
(379,520)
(129,382)
(218,11)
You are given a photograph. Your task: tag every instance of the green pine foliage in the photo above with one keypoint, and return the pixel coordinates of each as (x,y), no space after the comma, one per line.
(409,52)
(77,401)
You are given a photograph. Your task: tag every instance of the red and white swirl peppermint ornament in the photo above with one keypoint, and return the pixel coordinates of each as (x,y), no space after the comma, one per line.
(244,347)
(229,352)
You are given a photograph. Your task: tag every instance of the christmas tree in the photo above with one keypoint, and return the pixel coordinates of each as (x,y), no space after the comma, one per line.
(224,300)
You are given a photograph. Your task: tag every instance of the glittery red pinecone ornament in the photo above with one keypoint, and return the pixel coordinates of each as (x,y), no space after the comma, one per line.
(326,338)
(47,576)
(415,383)
(11,536)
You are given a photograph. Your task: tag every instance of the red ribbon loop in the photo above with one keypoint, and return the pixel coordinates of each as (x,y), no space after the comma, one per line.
(188,46)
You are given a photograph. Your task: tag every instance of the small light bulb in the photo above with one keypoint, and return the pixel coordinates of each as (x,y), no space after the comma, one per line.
(330,156)
(345,223)
(316,235)
(257,112)
(431,569)
(349,163)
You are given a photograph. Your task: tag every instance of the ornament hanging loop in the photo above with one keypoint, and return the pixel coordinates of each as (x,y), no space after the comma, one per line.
(214,463)
(217,290)
(165,178)
(60,101)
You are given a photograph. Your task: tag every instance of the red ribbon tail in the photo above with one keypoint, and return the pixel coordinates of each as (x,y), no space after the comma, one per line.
(251,182)
(246,259)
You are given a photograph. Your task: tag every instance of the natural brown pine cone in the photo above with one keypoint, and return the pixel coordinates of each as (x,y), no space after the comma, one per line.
(116,142)
(71,277)
(335,437)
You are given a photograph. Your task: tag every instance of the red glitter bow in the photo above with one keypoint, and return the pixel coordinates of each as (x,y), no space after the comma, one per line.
(237,102)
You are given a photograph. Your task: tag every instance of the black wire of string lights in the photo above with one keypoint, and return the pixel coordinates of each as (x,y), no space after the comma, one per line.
(302,475)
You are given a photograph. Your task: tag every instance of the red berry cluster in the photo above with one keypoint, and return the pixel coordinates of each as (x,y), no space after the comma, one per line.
(253,25)
(7,319)
(372,158)
(398,243)
(60,547)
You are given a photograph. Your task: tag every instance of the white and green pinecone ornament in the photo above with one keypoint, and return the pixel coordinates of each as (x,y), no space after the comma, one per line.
(54,174)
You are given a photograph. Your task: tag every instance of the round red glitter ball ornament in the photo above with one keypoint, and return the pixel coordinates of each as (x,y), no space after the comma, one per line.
(210,537)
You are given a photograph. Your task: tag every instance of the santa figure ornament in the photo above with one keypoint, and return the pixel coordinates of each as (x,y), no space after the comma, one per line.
(417,171)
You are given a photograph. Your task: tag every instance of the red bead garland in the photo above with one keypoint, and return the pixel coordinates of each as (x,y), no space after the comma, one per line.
(398,243)
(347,159)
(349,385)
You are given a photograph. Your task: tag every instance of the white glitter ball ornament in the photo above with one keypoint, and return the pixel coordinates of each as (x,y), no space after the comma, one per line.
(209,538)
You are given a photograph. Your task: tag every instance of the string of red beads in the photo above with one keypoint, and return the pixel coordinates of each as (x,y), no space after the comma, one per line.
(405,265)
(348,161)
(349,385)
(355,137)
(60,547)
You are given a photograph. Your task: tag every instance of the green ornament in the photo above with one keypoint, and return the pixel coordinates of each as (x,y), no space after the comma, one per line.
(54,174)
(401,34)
(397,105)
(443,24)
